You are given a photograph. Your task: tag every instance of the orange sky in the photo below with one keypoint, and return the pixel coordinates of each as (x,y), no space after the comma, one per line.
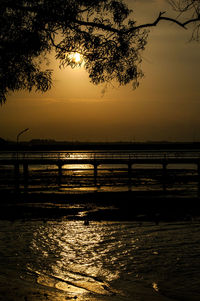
(165,106)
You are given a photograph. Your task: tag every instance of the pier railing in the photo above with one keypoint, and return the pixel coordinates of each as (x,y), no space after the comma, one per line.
(98,161)
(71,155)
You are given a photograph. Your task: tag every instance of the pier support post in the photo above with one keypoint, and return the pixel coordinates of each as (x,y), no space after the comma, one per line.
(164,167)
(26,174)
(164,175)
(129,173)
(16,175)
(198,168)
(16,170)
(95,173)
(198,171)
(59,173)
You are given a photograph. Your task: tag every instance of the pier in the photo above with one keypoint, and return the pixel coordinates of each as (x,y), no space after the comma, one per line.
(22,161)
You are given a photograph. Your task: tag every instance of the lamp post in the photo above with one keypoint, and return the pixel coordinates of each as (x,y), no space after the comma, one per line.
(17,162)
(18,135)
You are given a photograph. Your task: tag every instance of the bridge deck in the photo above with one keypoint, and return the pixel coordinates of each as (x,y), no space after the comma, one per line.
(99,161)
(113,161)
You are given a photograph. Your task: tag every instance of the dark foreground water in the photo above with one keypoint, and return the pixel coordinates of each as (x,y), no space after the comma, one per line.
(66,260)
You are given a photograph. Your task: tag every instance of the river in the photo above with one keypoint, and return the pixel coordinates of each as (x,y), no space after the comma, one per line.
(112,261)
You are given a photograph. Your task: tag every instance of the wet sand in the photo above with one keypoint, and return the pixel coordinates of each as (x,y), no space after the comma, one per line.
(139,206)
(13,288)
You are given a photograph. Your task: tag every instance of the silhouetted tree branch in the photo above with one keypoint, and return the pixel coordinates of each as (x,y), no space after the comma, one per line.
(161,18)
(102,31)
(191,10)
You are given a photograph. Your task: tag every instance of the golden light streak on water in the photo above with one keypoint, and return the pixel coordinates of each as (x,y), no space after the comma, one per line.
(77,166)
(74,265)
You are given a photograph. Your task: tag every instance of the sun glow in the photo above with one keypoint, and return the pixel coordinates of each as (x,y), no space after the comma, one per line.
(76,58)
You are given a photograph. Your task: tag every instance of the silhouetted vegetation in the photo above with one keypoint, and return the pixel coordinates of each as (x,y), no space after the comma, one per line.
(190,8)
(2,141)
(103,32)
(49,144)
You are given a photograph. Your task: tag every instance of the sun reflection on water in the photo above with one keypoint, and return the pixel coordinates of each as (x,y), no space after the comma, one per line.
(73,258)
(115,261)
(77,166)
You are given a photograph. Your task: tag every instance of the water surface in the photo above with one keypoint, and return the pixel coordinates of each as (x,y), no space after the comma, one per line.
(66,260)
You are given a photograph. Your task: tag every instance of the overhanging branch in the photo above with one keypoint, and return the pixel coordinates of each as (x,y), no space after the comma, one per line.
(132,29)
(98,26)
(161,18)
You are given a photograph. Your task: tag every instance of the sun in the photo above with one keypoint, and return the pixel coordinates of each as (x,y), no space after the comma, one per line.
(76,58)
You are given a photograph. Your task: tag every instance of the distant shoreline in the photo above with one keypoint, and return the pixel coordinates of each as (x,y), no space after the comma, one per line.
(45,145)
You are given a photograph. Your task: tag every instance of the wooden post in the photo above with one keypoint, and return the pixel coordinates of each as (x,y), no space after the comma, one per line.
(198,171)
(25,168)
(16,176)
(59,173)
(164,175)
(95,173)
(129,172)
(164,168)
(26,173)
(17,170)
(198,168)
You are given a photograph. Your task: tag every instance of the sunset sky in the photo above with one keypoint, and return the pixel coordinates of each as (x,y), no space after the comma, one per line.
(166,105)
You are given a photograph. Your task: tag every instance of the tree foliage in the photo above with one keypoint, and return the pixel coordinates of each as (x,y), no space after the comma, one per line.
(102,31)
(190,8)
